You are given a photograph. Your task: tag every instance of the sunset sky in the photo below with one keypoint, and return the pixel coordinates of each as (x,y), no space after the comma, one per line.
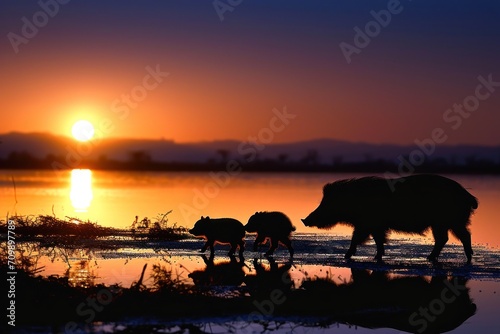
(226,76)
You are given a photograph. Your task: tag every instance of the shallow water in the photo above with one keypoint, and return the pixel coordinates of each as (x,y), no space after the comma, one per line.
(114,198)
(317,256)
(314,253)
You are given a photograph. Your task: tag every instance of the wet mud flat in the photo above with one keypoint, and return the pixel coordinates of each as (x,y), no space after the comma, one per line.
(318,291)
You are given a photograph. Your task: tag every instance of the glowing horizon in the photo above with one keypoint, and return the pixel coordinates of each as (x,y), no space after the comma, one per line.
(213,80)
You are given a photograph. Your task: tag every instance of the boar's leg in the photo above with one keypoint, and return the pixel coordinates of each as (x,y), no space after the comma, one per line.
(205,247)
(358,237)
(380,239)
(211,246)
(258,241)
(464,235)
(233,248)
(208,262)
(212,251)
(440,239)
(288,244)
(274,245)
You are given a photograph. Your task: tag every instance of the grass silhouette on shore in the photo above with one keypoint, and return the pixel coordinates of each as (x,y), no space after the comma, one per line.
(44,227)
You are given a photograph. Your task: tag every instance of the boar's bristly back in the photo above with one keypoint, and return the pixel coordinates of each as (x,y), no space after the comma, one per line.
(354,185)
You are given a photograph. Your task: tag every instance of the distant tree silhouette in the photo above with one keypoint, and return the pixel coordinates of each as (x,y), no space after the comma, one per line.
(19,156)
(337,160)
(224,154)
(471,160)
(282,158)
(255,161)
(139,158)
(50,157)
(440,162)
(311,157)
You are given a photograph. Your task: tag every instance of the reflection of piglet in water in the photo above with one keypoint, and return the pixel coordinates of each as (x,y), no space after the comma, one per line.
(265,281)
(273,225)
(412,204)
(226,273)
(220,230)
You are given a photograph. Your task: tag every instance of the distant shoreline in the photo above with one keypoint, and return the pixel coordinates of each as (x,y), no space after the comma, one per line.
(379,166)
(45,151)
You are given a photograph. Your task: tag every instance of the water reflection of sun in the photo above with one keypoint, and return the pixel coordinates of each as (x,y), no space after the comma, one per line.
(80,274)
(81,189)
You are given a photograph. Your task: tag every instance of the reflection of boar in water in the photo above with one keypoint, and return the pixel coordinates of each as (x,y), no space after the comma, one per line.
(378,299)
(220,230)
(273,225)
(411,204)
(227,273)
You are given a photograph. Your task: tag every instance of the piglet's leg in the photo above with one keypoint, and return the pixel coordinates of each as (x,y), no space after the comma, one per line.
(242,247)
(288,244)
(257,242)
(274,245)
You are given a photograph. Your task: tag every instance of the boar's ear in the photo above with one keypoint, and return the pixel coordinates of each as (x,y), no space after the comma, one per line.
(207,218)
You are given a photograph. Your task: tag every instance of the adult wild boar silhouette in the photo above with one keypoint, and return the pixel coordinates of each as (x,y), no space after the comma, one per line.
(412,204)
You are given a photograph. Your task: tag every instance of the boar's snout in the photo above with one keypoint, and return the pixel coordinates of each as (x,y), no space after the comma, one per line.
(313,219)
(195,231)
(320,219)
(252,225)
(250,228)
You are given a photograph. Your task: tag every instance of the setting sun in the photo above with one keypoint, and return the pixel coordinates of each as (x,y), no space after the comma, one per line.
(82,130)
